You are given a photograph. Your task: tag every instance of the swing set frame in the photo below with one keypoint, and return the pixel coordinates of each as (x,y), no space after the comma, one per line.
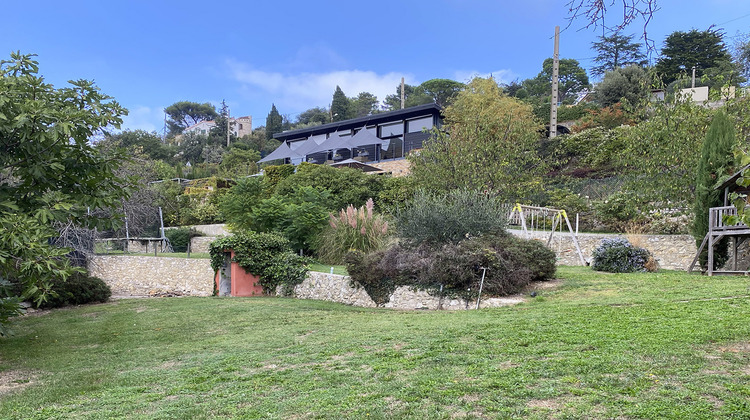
(520,212)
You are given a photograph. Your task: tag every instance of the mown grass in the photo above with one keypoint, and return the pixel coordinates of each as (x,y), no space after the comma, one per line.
(665,345)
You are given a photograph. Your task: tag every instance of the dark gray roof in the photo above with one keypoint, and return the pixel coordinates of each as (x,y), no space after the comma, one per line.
(281,152)
(365,138)
(335,142)
(412,112)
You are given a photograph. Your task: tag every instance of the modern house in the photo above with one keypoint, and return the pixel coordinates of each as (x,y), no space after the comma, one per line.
(374,138)
(239,126)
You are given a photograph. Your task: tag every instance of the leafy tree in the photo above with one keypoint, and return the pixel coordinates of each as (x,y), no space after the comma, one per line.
(716,162)
(191,148)
(183,114)
(659,154)
(363,105)
(312,116)
(239,162)
(346,185)
(340,106)
(572,79)
(49,171)
(629,83)
(742,55)
(413,96)
(274,122)
(489,144)
(616,51)
(141,142)
(442,91)
(683,50)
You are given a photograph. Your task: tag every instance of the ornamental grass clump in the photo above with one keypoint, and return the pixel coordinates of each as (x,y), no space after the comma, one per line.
(617,255)
(352,229)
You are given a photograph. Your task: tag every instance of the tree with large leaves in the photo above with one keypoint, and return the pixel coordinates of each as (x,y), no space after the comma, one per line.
(616,51)
(49,171)
(489,144)
(183,114)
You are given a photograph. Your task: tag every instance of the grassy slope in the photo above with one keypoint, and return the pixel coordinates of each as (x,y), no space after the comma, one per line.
(600,346)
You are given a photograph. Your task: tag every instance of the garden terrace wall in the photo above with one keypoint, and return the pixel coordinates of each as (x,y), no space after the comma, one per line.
(673,252)
(148,276)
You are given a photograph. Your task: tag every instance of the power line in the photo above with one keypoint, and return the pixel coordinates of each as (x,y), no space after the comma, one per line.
(732,20)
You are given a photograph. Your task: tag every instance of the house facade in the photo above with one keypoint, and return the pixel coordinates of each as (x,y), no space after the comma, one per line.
(240,127)
(374,138)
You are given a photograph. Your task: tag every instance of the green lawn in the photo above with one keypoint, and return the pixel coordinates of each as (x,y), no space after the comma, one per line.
(665,345)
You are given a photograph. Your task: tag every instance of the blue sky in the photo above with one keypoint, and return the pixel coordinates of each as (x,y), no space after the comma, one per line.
(150,54)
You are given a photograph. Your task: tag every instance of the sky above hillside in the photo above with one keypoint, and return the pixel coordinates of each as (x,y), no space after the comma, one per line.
(150,54)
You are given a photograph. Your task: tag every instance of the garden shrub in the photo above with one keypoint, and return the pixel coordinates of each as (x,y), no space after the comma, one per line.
(266,255)
(452,217)
(352,229)
(78,289)
(511,264)
(180,237)
(617,255)
(345,185)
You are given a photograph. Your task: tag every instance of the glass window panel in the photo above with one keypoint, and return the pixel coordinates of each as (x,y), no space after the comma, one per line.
(416,126)
(393,129)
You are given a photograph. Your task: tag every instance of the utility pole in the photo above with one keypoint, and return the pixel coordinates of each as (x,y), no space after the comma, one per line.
(227,127)
(555,76)
(403,94)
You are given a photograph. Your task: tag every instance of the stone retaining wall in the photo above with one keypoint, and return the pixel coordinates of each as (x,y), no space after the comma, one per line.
(336,288)
(201,243)
(147,276)
(673,252)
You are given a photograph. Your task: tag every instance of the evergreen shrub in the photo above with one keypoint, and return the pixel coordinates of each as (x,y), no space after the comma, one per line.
(78,289)
(180,237)
(453,217)
(617,255)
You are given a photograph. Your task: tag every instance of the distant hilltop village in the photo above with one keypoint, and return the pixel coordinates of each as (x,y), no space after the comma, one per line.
(239,127)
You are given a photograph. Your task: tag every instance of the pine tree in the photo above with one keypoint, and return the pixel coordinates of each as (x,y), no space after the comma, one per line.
(340,106)
(274,122)
(616,51)
(716,161)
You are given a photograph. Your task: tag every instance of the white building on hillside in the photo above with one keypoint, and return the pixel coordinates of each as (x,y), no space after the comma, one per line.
(240,127)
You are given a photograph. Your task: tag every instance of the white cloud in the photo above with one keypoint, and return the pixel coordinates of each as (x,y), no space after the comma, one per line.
(501,76)
(144,118)
(306,90)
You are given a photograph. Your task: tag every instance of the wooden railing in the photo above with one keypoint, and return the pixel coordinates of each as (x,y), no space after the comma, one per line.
(716,219)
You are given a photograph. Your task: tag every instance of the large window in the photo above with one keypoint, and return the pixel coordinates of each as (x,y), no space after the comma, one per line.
(392,129)
(419,124)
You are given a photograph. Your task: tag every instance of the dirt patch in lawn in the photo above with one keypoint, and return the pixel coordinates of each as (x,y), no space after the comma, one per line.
(15,380)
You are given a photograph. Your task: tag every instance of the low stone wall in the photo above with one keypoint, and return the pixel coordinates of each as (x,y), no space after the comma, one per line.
(201,243)
(212,230)
(336,288)
(147,276)
(673,252)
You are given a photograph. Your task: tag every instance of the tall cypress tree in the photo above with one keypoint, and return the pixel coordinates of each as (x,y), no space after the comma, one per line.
(340,106)
(274,122)
(716,161)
